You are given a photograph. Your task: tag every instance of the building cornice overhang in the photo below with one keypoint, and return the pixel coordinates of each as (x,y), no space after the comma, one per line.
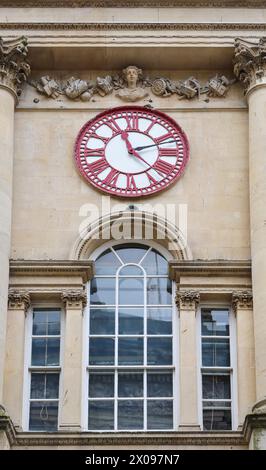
(52,26)
(209,268)
(134,3)
(82,268)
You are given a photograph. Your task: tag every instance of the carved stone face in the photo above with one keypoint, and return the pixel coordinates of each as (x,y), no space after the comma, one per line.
(132,77)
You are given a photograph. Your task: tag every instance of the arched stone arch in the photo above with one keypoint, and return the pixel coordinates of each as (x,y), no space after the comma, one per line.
(134,226)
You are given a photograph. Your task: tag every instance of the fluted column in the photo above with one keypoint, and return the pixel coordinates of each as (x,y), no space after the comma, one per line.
(18,304)
(242,307)
(187,302)
(13,72)
(74,301)
(250,68)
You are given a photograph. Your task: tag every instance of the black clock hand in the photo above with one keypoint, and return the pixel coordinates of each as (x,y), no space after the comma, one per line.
(155,145)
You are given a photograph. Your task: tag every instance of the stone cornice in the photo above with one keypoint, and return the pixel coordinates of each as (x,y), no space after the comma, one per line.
(209,268)
(52,268)
(134,3)
(14,69)
(242,300)
(253,421)
(18,300)
(250,62)
(52,26)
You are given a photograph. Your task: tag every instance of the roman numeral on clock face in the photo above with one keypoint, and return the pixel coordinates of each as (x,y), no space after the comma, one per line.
(111,178)
(162,138)
(131,182)
(132,122)
(94,152)
(167,152)
(163,167)
(98,166)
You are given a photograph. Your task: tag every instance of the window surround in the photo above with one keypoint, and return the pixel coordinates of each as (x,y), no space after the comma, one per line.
(175,347)
(28,368)
(233,362)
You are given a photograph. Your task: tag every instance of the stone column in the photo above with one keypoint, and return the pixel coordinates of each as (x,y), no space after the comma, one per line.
(187,302)
(250,68)
(242,306)
(13,72)
(74,301)
(18,304)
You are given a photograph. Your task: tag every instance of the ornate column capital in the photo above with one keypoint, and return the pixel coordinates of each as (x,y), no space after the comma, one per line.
(14,69)
(74,299)
(242,300)
(250,62)
(187,300)
(18,300)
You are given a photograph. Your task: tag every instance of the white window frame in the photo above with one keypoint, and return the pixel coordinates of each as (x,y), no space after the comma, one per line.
(233,359)
(175,344)
(28,368)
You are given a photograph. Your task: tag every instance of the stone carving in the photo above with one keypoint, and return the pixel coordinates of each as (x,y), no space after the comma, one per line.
(242,300)
(250,62)
(187,300)
(131,86)
(74,298)
(133,91)
(18,300)
(14,69)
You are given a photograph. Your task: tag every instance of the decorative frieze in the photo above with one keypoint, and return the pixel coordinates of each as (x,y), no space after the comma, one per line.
(14,69)
(74,299)
(187,300)
(131,85)
(242,300)
(250,62)
(18,300)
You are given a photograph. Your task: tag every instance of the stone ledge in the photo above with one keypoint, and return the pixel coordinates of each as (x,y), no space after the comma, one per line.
(134,3)
(84,269)
(209,268)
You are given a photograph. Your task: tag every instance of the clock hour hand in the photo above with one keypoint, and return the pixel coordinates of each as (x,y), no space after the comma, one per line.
(130,149)
(154,145)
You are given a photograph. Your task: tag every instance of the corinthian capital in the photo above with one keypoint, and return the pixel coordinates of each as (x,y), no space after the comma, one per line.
(250,62)
(242,300)
(18,300)
(187,300)
(74,299)
(14,69)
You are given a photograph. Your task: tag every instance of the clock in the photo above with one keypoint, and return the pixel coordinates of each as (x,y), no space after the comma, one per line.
(131,151)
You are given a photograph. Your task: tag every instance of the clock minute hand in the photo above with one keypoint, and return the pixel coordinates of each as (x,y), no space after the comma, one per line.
(154,145)
(130,149)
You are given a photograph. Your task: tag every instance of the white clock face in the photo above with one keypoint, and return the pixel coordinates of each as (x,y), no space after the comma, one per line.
(131,151)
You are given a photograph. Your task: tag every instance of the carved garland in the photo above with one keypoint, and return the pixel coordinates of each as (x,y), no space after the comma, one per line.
(131,86)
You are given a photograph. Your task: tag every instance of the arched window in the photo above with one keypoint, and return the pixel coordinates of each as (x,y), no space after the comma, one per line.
(130,341)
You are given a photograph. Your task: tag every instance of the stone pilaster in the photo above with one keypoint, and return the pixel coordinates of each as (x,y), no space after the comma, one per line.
(250,69)
(13,72)
(74,301)
(187,302)
(243,308)
(18,304)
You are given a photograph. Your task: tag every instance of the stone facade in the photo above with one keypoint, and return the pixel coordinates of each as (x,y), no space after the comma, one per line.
(60,67)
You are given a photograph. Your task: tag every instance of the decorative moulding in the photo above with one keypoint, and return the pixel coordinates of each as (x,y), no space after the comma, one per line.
(135,3)
(209,268)
(132,85)
(82,268)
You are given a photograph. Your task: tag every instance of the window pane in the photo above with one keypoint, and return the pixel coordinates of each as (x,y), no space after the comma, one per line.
(159,351)
(52,386)
(215,352)
(102,321)
(43,416)
(102,291)
(159,384)
(159,321)
(216,420)
(53,350)
(101,351)
(216,386)
(130,414)
(131,291)
(159,291)
(54,323)
(46,322)
(39,326)
(154,263)
(107,263)
(37,389)
(131,252)
(215,322)
(160,414)
(131,270)
(101,384)
(130,384)
(101,414)
(130,351)
(131,321)
(45,352)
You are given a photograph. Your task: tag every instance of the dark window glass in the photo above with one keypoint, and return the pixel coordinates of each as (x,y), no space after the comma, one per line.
(154,263)
(214,322)
(131,270)
(44,385)
(130,414)
(101,384)
(216,386)
(131,321)
(217,420)
(45,352)
(159,291)
(131,253)
(101,351)
(107,263)
(159,384)
(130,384)
(215,352)
(102,321)
(159,351)
(130,351)
(46,322)
(102,291)
(101,415)
(159,321)
(160,414)
(43,416)
(131,291)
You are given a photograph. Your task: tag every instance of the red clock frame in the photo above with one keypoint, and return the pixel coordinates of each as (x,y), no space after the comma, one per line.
(168,173)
